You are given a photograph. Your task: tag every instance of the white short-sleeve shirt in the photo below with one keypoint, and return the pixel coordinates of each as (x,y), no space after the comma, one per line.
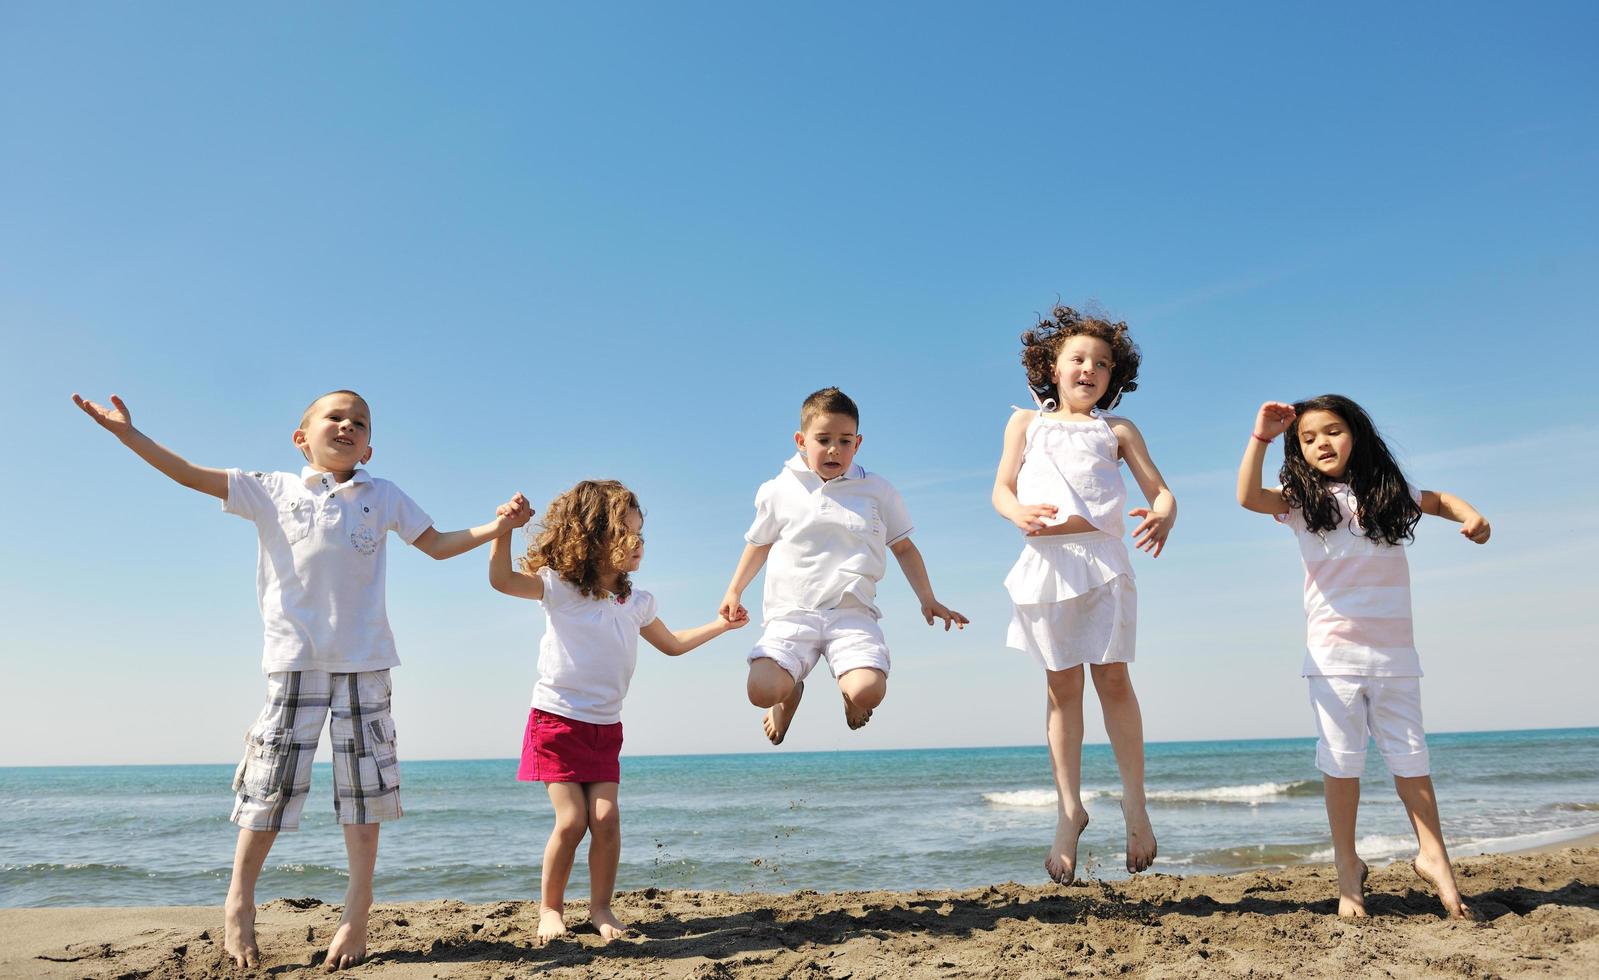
(1357,598)
(829,538)
(319,575)
(589,650)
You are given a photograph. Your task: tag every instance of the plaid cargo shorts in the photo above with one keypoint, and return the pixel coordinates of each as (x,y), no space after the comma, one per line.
(275,774)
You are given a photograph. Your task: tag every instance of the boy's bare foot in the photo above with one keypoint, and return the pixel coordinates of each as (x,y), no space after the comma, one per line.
(1141,845)
(238,933)
(1441,877)
(348,947)
(608,924)
(551,926)
(1352,891)
(855,717)
(780,715)
(1061,864)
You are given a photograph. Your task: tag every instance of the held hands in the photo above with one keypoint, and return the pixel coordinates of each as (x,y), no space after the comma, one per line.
(514,513)
(1150,535)
(933,609)
(1274,419)
(733,611)
(738,620)
(1031,517)
(1476,529)
(116,420)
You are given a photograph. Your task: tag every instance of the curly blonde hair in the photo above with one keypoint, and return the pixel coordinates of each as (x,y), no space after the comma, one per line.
(1041,346)
(584,534)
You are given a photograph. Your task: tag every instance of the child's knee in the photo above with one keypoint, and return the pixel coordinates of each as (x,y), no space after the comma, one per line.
(570,828)
(1113,682)
(605,823)
(1065,686)
(768,683)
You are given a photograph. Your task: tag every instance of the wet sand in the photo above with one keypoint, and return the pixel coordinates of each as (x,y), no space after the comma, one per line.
(1540,917)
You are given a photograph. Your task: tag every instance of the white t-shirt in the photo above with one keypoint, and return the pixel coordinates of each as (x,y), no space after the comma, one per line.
(829,538)
(589,650)
(319,574)
(1357,598)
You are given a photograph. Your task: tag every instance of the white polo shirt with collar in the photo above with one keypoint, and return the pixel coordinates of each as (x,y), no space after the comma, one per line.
(320,572)
(829,539)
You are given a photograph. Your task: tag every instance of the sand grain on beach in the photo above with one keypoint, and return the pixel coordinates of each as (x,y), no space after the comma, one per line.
(1541,917)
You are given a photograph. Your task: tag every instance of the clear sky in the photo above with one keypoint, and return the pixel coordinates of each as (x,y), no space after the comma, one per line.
(556,241)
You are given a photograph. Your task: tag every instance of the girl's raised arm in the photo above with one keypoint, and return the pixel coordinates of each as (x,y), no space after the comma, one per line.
(1273,419)
(1029,517)
(675,644)
(501,575)
(1450,507)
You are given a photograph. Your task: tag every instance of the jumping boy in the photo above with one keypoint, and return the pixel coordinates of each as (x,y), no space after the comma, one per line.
(826,524)
(319,582)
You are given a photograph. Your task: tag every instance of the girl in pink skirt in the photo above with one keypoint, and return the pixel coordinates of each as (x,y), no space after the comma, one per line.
(578,567)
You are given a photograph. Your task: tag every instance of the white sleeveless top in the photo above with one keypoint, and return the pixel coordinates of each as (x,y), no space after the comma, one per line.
(1074,465)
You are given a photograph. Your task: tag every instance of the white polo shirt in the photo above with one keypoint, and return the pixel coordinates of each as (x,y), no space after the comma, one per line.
(589,650)
(319,575)
(829,538)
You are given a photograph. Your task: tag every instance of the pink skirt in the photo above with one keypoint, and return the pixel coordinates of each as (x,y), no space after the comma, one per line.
(565,750)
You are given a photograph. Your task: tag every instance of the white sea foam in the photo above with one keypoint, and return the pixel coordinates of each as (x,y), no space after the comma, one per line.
(1038,797)
(1375,847)
(1252,793)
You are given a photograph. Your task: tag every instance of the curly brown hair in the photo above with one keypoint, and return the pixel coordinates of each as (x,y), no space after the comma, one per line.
(1041,346)
(584,534)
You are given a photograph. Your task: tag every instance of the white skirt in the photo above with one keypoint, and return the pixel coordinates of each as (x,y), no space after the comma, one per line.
(1074,600)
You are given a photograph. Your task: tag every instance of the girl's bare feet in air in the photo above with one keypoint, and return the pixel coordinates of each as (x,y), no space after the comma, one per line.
(1141,846)
(1061,864)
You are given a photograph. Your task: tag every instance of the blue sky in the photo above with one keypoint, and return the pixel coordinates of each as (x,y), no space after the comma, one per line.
(550,242)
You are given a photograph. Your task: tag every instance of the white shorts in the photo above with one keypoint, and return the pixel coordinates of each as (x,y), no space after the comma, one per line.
(1348,707)
(1073,601)
(848,637)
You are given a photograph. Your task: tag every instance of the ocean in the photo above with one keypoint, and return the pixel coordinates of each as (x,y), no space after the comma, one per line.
(777,821)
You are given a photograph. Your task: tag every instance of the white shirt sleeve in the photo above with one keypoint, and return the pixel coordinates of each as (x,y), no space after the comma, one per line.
(896,519)
(765,528)
(248,496)
(405,518)
(1293,518)
(645,609)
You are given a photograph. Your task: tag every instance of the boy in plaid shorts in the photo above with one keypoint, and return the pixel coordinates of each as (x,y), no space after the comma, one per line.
(328,648)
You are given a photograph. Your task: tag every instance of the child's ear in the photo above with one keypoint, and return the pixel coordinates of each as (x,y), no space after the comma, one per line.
(858,440)
(299,439)
(367,456)
(799,441)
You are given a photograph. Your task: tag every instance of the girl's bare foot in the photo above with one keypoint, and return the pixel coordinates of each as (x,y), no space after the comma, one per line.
(348,947)
(1141,846)
(1061,864)
(855,717)
(238,933)
(1437,873)
(1352,891)
(551,926)
(608,924)
(780,715)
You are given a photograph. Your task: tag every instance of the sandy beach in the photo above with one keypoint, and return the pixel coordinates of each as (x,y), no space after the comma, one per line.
(1540,915)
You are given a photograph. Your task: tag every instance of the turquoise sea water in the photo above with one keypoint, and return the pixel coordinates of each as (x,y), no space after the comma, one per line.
(925,818)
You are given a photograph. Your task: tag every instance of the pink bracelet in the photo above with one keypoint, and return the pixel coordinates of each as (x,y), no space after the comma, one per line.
(1260,437)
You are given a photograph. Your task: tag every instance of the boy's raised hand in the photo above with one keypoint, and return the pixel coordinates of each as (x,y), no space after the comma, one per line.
(116,420)
(514,513)
(1273,420)
(934,609)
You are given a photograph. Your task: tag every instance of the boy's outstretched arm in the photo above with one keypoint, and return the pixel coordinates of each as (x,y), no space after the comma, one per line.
(118,421)
(910,562)
(1158,518)
(447,544)
(749,563)
(1273,419)
(676,643)
(1450,507)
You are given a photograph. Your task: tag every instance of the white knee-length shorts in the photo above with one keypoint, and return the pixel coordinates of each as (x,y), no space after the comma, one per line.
(1351,710)
(1073,600)
(848,637)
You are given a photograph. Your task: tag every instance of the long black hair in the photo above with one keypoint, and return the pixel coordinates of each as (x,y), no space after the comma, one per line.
(1386,512)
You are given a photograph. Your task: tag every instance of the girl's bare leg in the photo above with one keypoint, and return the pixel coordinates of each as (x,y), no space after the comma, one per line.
(1432,864)
(571,823)
(1343,802)
(605,851)
(1064,724)
(864,689)
(1124,723)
